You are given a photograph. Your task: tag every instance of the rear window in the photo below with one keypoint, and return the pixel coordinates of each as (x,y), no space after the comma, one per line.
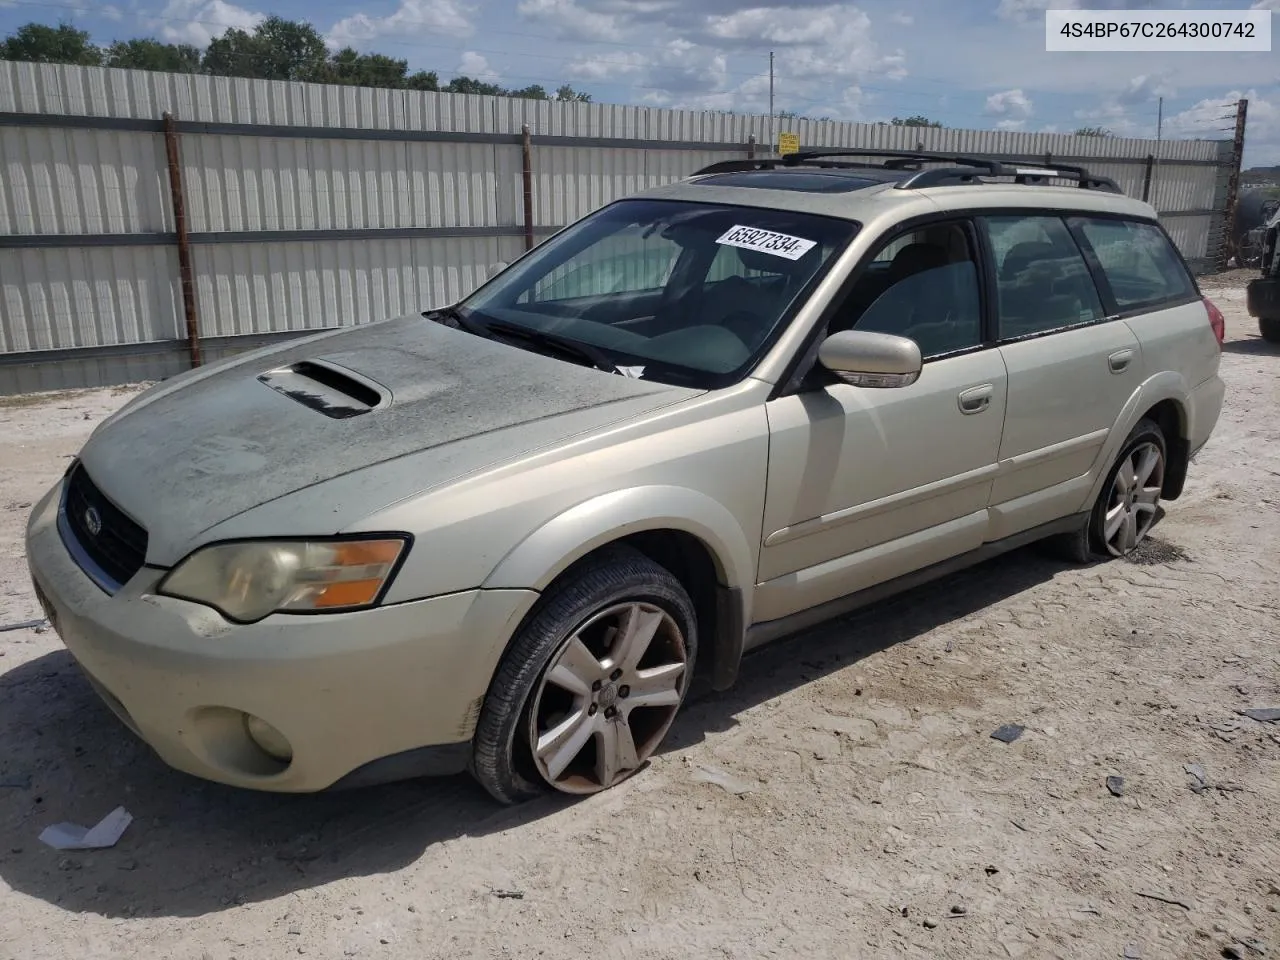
(1140,264)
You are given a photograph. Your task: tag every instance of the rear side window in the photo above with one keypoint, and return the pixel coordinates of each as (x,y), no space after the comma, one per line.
(1139,263)
(1042,279)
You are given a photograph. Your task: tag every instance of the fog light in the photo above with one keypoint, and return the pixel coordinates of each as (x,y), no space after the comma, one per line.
(268,738)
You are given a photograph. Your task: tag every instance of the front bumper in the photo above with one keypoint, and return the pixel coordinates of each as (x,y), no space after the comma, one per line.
(396,689)
(1263,296)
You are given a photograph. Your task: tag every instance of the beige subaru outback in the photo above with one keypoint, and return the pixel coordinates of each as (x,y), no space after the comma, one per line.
(503,536)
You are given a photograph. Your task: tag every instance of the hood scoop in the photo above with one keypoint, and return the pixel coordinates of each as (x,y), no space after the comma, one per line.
(326,388)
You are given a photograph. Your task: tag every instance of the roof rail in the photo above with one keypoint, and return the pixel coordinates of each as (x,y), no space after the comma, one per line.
(964,169)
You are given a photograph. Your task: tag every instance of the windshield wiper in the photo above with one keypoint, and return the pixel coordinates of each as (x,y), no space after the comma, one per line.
(455,319)
(575,350)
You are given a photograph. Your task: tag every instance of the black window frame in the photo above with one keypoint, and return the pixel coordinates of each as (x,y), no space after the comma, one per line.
(1100,280)
(803,373)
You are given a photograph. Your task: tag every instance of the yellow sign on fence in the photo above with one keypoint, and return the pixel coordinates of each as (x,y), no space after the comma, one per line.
(788,143)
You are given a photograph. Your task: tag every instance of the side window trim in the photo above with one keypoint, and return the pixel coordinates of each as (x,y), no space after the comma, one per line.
(1075,223)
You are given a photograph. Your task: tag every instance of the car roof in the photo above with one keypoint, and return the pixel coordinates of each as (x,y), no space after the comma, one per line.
(853,190)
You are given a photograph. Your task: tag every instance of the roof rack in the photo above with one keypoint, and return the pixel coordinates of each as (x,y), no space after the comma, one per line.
(963,170)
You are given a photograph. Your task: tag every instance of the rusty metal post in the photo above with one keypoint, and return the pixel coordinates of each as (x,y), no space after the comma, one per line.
(1146,179)
(184,241)
(526,150)
(1233,184)
(751,147)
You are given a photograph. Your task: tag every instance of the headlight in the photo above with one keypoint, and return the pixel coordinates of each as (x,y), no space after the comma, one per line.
(246,581)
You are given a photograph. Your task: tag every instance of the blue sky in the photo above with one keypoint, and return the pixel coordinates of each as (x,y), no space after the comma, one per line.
(969,63)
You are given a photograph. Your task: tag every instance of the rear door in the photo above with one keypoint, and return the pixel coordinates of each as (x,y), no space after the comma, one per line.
(1144,282)
(1071,370)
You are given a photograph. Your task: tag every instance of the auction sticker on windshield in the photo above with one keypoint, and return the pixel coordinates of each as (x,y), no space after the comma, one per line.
(766,241)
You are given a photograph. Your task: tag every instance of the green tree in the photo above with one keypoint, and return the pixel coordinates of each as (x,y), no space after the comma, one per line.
(352,68)
(37,43)
(423,80)
(914,121)
(566,94)
(463,84)
(277,49)
(148,54)
(1092,132)
(534,91)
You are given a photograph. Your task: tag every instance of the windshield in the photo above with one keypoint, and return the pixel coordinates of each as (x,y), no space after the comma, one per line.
(689,293)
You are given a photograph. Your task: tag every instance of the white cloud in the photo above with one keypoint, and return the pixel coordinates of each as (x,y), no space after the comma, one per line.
(476,67)
(606,67)
(1146,87)
(1267,5)
(109,12)
(413,18)
(1210,116)
(1010,124)
(1013,105)
(571,20)
(1021,11)
(905,19)
(199,21)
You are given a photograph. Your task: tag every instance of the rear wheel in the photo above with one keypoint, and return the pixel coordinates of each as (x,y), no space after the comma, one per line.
(591,685)
(1269,327)
(1129,504)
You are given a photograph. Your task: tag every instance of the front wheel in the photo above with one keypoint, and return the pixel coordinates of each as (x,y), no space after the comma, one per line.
(592,682)
(1269,327)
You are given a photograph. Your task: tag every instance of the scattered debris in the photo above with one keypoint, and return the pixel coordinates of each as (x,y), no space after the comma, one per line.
(1089,908)
(1200,777)
(990,871)
(1254,946)
(71,836)
(1020,825)
(23,625)
(726,781)
(1233,952)
(1172,901)
(1262,714)
(508,894)
(949,647)
(930,923)
(1116,786)
(1133,952)
(959,911)
(1008,733)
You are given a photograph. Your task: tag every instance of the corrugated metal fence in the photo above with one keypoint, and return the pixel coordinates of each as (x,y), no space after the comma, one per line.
(309,207)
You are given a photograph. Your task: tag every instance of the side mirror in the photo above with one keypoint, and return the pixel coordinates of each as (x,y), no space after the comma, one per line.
(866,359)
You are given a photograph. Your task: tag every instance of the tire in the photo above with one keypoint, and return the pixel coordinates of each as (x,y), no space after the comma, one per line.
(1269,327)
(1091,540)
(545,681)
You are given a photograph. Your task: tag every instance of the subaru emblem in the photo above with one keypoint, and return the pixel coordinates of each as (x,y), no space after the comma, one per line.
(93,521)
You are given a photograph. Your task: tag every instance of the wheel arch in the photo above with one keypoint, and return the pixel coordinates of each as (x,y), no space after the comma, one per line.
(693,536)
(1165,399)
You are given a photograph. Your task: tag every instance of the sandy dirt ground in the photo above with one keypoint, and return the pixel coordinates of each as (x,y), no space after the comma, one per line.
(879,818)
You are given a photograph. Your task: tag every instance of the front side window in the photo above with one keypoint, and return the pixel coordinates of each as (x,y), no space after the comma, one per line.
(1141,265)
(689,293)
(1042,279)
(921,285)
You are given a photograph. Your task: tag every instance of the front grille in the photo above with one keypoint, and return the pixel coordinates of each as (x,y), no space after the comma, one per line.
(108,538)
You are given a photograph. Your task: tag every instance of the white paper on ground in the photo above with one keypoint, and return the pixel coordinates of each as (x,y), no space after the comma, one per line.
(106,833)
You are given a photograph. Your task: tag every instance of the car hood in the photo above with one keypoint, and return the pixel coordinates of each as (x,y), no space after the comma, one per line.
(209,445)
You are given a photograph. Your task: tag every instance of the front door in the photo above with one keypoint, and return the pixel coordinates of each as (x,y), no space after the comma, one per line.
(868,484)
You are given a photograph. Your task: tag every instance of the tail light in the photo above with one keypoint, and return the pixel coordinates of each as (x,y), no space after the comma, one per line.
(1216,320)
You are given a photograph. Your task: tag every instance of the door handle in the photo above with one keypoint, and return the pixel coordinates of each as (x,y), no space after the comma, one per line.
(976,399)
(1120,360)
